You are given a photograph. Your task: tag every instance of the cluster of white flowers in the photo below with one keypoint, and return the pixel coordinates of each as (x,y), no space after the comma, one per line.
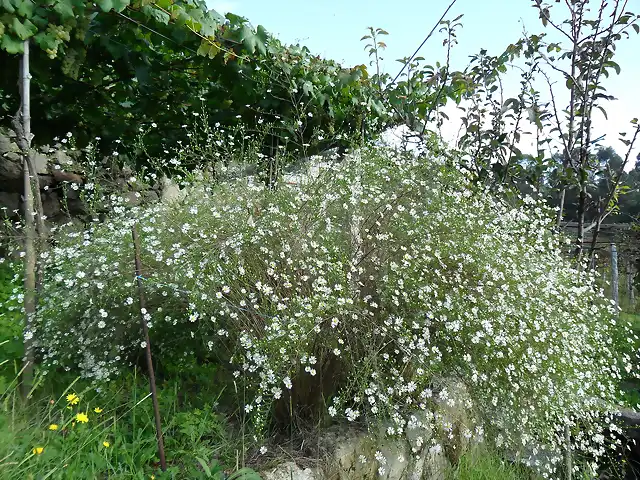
(385,272)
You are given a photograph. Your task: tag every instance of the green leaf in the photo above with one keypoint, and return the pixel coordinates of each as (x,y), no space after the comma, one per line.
(7,6)
(23,30)
(117,5)
(307,88)
(11,45)
(204,466)
(636,27)
(245,474)
(208,49)
(613,64)
(263,37)
(157,14)
(25,8)
(604,112)
(64,9)
(510,104)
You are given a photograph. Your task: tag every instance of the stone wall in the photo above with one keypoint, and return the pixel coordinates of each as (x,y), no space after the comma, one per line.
(62,179)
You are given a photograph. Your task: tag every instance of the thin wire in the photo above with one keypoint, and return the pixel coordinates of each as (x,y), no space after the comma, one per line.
(422,44)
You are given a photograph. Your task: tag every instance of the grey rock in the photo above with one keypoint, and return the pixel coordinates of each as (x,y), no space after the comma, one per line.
(7,145)
(9,201)
(290,471)
(51,205)
(41,163)
(171,191)
(10,168)
(150,196)
(133,199)
(61,158)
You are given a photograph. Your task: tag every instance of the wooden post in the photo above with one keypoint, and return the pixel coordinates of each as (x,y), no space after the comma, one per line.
(145,331)
(630,293)
(567,454)
(614,275)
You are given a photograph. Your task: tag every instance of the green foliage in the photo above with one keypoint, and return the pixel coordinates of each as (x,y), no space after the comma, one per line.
(165,62)
(11,349)
(75,432)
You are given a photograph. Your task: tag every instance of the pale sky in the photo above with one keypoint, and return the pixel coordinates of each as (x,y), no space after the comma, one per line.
(333,28)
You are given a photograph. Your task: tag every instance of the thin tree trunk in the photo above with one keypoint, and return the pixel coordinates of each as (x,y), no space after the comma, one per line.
(581,211)
(594,238)
(29,282)
(30,233)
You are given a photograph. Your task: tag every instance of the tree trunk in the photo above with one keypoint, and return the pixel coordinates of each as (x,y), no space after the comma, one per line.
(581,211)
(594,239)
(30,234)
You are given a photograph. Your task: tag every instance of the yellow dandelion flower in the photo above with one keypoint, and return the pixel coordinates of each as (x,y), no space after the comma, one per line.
(97,410)
(106,444)
(38,450)
(82,417)
(73,399)
(53,426)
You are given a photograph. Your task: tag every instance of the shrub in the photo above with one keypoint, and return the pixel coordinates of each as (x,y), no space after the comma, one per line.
(353,294)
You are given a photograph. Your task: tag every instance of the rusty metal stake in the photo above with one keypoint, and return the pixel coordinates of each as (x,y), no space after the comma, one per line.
(145,331)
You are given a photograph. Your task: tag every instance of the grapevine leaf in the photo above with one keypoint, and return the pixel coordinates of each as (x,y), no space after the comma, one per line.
(120,5)
(208,49)
(64,9)
(11,45)
(23,30)
(25,9)
(105,5)
(307,88)
(46,41)
(7,6)
(157,14)
(248,38)
(142,74)
(117,5)
(208,26)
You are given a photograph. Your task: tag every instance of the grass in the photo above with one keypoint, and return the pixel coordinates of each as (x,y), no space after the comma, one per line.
(631,385)
(80,433)
(484,464)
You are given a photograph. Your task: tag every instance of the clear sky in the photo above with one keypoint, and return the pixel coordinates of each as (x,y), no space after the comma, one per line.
(333,28)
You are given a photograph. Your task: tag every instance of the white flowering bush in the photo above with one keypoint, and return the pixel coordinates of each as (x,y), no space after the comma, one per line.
(355,294)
